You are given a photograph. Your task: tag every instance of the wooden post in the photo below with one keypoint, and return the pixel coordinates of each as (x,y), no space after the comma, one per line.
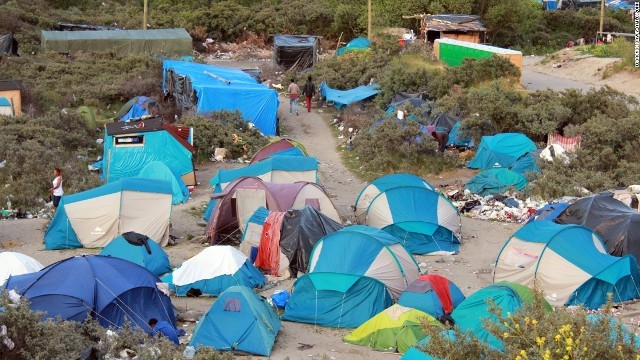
(144,14)
(601,16)
(369,20)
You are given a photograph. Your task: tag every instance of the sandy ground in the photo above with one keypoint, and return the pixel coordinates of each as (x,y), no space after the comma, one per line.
(471,269)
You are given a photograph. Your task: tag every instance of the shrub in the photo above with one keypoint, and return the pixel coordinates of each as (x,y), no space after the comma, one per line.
(218,131)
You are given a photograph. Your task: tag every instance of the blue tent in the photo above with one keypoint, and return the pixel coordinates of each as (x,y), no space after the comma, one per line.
(94,217)
(501,151)
(343,98)
(159,170)
(569,263)
(457,138)
(357,44)
(265,168)
(113,291)
(135,108)
(354,273)
(212,271)
(239,320)
(130,146)
(527,163)
(141,250)
(496,181)
(549,212)
(218,88)
(425,294)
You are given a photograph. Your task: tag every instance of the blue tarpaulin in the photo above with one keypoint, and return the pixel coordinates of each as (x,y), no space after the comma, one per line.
(343,98)
(357,44)
(218,88)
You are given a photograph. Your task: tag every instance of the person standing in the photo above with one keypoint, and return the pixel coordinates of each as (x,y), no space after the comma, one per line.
(56,189)
(309,91)
(165,329)
(293,91)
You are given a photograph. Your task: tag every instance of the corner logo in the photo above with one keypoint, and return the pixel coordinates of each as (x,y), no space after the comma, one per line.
(98,231)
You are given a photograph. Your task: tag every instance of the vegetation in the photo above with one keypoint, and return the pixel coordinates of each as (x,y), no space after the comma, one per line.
(534,333)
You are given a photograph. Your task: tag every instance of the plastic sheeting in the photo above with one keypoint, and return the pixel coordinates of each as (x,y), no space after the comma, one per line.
(211,88)
(299,51)
(8,45)
(357,44)
(343,98)
(496,181)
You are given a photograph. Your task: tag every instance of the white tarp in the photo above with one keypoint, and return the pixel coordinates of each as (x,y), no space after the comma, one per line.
(211,262)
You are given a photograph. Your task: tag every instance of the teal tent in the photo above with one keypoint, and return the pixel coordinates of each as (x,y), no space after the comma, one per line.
(239,320)
(139,249)
(501,151)
(161,171)
(357,44)
(496,181)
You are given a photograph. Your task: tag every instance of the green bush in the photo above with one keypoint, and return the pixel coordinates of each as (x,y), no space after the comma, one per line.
(218,131)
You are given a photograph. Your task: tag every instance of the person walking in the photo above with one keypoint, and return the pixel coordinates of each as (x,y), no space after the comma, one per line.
(56,189)
(309,91)
(293,91)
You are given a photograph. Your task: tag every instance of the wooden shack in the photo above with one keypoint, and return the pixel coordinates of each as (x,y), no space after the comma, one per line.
(12,91)
(453,26)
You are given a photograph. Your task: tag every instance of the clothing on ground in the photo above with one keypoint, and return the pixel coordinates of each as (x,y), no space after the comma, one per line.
(167,330)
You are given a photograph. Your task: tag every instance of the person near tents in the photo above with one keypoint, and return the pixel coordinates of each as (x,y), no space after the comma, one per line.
(441,137)
(165,329)
(56,189)
(293,91)
(309,91)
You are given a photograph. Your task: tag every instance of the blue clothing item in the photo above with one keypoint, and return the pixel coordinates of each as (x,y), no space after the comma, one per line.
(293,103)
(164,328)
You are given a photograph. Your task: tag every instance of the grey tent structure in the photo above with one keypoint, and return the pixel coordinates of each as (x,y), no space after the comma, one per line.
(445,122)
(8,45)
(617,224)
(124,42)
(295,51)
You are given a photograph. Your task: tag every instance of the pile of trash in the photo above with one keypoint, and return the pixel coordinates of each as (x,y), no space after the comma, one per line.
(505,207)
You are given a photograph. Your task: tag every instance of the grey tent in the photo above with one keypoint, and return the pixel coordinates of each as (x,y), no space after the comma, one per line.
(445,122)
(295,51)
(8,45)
(617,224)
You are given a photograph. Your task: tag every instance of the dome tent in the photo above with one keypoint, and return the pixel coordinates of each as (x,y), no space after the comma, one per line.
(432,294)
(13,263)
(278,147)
(353,274)
(139,249)
(113,291)
(569,264)
(161,171)
(239,320)
(505,151)
(212,271)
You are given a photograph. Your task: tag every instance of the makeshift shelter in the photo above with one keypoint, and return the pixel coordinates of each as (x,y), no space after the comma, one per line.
(617,224)
(394,329)
(278,169)
(207,88)
(6,108)
(357,44)
(344,98)
(135,108)
(453,26)
(569,263)
(279,147)
(414,102)
(423,220)
(139,249)
(231,209)
(496,181)
(94,217)
(8,45)
(295,51)
(239,320)
(554,151)
(458,138)
(130,146)
(549,212)
(432,294)
(12,90)
(113,291)
(382,184)
(212,271)
(13,263)
(159,170)
(123,42)
(445,122)
(287,246)
(503,151)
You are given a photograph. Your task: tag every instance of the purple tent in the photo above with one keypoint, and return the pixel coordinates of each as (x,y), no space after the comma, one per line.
(241,198)
(279,147)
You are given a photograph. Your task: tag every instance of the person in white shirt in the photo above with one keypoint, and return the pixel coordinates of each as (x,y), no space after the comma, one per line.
(293,91)
(56,191)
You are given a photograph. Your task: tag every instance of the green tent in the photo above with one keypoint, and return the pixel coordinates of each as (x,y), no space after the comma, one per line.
(88,115)
(124,42)
(394,329)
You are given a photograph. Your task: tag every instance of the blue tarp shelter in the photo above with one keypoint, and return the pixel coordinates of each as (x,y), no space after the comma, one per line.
(239,320)
(496,181)
(357,44)
(501,151)
(94,217)
(569,263)
(135,108)
(161,171)
(141,250)
(130,146)
(213,88)
(344,98)
(111,290)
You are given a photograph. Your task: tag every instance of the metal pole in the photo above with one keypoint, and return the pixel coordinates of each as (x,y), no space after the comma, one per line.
(144,15)
(369,20)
